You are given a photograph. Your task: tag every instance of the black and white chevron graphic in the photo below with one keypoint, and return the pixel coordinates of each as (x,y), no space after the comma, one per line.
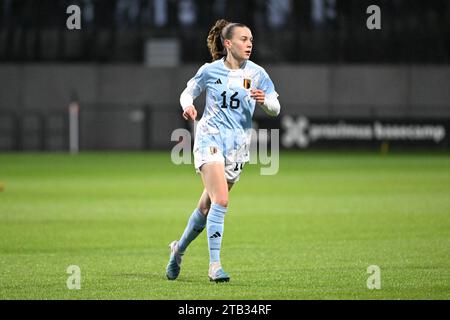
(216,235)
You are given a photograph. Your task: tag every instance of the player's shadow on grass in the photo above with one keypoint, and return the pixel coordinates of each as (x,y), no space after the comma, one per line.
(152,276)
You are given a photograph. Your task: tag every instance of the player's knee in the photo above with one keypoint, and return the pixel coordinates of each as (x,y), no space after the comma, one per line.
(204,209)
(204,205)
(222,201)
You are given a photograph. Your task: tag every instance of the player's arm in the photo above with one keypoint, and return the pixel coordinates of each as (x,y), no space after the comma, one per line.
(269,103)
(194,88)
(187,103)
(266,96)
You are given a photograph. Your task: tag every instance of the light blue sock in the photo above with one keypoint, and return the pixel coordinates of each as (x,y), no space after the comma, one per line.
(214,227)
(195,226)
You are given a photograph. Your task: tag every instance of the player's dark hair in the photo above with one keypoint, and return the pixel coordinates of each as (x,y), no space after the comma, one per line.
(220,31)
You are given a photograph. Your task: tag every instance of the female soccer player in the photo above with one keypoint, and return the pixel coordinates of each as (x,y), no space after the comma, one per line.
(234,85)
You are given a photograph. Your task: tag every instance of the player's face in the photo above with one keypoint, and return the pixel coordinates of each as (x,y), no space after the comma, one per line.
(241,43)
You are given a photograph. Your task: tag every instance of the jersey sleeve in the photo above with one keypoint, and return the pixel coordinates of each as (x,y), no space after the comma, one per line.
(266,85)
(197,84)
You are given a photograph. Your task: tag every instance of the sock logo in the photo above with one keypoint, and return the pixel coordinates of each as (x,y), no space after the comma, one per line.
(198,230)
(216,235)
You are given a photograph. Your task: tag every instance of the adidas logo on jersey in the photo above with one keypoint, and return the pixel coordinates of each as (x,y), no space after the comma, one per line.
(218,81)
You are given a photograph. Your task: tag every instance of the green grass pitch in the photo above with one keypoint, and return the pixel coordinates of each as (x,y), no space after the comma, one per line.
(309,232)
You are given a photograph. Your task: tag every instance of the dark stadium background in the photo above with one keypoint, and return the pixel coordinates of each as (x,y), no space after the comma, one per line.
(131,59)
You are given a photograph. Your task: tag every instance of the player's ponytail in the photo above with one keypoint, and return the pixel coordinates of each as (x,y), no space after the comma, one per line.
(214,40)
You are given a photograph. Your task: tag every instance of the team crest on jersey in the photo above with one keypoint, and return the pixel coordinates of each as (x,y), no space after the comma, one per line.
(212,150)
(247,83)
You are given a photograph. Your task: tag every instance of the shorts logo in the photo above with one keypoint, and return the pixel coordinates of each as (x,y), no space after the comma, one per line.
(247,83)
(212,150)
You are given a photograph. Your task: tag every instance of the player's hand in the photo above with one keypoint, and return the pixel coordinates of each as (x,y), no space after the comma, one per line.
(258,95)
(190,113)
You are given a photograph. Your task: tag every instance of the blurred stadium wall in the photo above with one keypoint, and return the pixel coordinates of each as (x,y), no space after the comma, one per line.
(340,84)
